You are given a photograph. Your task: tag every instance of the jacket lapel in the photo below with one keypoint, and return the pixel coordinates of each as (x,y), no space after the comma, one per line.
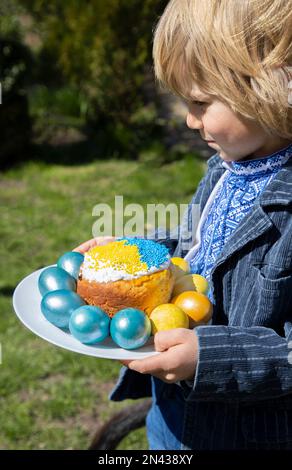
(256,222)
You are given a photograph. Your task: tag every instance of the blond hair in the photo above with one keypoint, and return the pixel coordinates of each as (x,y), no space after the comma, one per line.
(237,50)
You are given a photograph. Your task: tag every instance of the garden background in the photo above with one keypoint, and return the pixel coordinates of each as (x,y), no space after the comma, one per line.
(81,121)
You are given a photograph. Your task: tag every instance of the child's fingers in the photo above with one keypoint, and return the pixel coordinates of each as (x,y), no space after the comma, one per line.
(82,248)
(125,363)
(152,365)
(103,240)
(164,340)
(98,241)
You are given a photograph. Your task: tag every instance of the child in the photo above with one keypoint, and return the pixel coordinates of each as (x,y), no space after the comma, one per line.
(228,385)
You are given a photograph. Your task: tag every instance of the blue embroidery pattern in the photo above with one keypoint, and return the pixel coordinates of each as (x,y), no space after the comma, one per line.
(244,182)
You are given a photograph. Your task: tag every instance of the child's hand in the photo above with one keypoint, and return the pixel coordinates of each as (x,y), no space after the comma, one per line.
(84,247)
(178,358)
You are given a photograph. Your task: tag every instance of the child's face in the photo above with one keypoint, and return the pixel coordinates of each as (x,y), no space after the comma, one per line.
(232,136)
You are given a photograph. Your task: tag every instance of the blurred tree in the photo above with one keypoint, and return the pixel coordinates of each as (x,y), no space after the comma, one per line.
(15,62)
(103,48)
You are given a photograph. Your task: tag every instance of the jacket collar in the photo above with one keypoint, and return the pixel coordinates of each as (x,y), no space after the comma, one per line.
(279,190)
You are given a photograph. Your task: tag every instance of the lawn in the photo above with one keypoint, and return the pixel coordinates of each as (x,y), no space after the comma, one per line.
(51,398)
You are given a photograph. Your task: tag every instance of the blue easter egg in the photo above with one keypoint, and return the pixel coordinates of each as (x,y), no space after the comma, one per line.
(57,306)
(55,278)
(130,328)
(89,324)
(71,262)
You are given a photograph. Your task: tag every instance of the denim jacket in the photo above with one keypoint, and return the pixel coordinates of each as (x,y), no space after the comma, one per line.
(243,381)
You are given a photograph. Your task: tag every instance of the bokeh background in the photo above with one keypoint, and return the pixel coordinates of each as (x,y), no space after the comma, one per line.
(81,120)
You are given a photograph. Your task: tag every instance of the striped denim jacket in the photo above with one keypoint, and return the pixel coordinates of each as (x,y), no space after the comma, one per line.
(241,396)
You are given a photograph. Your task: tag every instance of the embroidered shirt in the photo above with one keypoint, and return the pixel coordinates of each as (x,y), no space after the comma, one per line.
(231,200)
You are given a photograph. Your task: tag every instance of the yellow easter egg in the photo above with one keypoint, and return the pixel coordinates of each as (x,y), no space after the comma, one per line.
(168,316)
(179,267)
(201,283)
(196,305)
(183,283)
(188,282)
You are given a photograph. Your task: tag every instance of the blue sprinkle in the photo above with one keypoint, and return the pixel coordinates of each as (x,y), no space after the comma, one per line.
(151,252)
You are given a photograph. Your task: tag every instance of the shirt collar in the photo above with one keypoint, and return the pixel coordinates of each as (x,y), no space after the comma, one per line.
(260,166)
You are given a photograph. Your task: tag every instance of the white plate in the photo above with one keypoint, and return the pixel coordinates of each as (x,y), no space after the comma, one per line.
(26,303)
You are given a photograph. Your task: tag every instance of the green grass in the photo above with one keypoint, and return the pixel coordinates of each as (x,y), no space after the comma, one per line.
(51,398)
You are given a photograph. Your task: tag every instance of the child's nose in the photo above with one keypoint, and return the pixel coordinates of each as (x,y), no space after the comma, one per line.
(193,122)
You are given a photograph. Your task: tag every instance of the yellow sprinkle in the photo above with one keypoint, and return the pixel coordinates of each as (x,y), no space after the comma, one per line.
(113,255)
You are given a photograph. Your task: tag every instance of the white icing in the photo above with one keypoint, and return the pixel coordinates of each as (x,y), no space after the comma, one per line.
(109,274)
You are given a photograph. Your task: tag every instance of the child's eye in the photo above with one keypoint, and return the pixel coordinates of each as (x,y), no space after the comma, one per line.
(198,103)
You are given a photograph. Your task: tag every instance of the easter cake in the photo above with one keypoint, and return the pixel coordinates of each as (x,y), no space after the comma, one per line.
(128,272)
